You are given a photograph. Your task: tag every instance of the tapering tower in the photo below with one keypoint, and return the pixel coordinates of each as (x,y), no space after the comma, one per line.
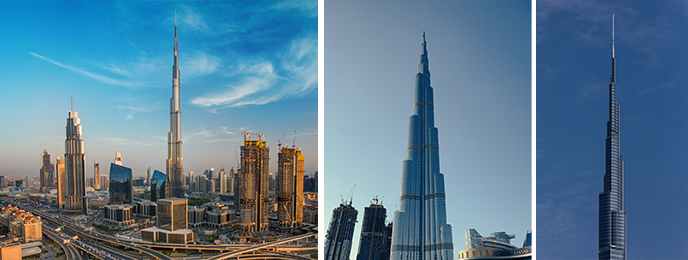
(420,228)
(175,166)
(612,226)
(75,163)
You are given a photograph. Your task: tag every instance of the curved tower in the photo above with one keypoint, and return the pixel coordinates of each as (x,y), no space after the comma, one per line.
(175,166)
(420,229)
(612,226)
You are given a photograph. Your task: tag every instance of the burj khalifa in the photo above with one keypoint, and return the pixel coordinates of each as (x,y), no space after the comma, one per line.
(420,229)
(175,166)
(612,217)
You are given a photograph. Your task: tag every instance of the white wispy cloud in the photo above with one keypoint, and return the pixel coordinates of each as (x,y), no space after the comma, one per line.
(293,74)
(116,70)
(90,74)
(134,109)
(192,18)
(199,64)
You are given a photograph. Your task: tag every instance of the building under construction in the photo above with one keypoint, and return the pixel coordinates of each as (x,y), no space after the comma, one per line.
(290,187)
(376,237)
(340,234)
(253,191)
(47,172)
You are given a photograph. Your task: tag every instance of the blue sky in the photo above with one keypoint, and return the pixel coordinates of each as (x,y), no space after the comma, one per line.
(480,60)
(244,66)
(573,69)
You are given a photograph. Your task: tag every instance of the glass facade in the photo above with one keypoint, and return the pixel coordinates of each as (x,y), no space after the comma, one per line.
(340,234)
(159,186)
(420,228)
(612,217)
(375,237)
(121,185)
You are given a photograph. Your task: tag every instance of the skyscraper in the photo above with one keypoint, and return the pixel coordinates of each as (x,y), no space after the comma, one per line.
(340,234)
(175,166)
(159,186)
(253,193)
(121,182)
(96,175)
(222,181)
(149,177)
(612,226)
(172,214)
(290,186)
(420,225)
(61,182)
(373,237)
(46,172)
(75,163)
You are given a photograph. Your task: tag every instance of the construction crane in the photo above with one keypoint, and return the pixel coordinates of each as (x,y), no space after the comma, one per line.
(279,142)
(247,135)
(294,143)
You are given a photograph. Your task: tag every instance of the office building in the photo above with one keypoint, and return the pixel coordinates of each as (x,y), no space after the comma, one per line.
(253,194)
(159,186)
(46,172)
(222,181)
(121,183)
(290,187)
(175,166)
(172,213)
(172,223)
(148,179)
(375,241)
(612,217)
(230,181)
(19,183)
(496,246)
(420,225)
(3,181)
(96,176)
(119,214)
(196,216)
(140,182)
(61,182)
(340,233)
(75,163)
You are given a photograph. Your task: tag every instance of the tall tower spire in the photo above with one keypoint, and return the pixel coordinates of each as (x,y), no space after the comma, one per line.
(420,229)
(175,167)
(612,217)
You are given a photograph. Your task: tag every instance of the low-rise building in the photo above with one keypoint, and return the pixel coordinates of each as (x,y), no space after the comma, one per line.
(119,214)
(21,224)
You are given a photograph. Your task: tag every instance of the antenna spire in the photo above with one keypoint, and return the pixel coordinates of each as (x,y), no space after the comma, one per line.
(72,103)
(175,17)
(612,35)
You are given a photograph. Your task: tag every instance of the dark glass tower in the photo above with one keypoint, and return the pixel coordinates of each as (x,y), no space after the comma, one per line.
(159,186)
(375,243)
(121,185)
(612,226)
(340,234)
(420,225)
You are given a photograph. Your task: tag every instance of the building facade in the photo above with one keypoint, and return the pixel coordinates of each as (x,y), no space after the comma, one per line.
(96,176)
(121,184)
(61,182)
(175,166)
(375,241)
(159,186)
(420,225)
(119,214)
(172,214)
(496,246)
(47,172)
(75,163)
(612,217)
(253,194)
(290,187)
(340,233)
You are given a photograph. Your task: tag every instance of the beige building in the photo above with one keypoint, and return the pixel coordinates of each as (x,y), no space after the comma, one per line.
(12,252)
(21,224)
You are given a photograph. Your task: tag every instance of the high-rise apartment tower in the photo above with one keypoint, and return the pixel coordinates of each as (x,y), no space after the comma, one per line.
(290,187)
(75,164)
(253,194)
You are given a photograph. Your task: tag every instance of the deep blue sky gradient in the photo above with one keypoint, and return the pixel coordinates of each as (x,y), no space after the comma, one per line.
(573,70)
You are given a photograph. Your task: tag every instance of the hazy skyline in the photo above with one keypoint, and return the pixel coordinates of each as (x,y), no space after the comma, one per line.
(479,59)
(244,66)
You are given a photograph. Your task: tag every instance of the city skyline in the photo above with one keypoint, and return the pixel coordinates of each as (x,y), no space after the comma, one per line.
(234,79)
(481,77)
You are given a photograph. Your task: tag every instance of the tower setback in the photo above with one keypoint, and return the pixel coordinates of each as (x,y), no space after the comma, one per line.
(420,228)
(175,166)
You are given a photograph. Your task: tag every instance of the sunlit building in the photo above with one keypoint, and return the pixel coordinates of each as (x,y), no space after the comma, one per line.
(496,246)
(253,193)
(290,187)
(46,173)
(75,163)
